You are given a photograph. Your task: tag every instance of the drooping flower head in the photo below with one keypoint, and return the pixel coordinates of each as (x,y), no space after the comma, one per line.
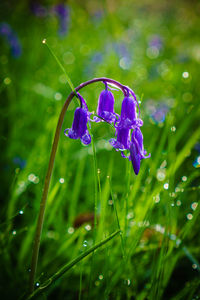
(137,151)
(122,142)
(79,125)
(105,108)
(128,117)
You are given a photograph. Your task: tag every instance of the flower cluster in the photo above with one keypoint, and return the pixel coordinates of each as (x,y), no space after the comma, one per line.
(127,125)
(7,32)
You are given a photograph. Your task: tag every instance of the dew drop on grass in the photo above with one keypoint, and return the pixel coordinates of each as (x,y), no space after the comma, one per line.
(185,75)
(21,212)
(85,243)
(173,129)
(161,174)
(14,232)
(166,186)
(37,284)
(61,180)
(194,205)
(88,227)
(70,230)
(194,266)
(100,277)
(189,216)
(110,202)
(184,178)
(178,203)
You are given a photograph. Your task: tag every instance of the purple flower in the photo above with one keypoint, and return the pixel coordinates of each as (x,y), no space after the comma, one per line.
(12,39)
(122,142)
(79,125)
(105,109)
(137,151)
(62,12)
(128,118)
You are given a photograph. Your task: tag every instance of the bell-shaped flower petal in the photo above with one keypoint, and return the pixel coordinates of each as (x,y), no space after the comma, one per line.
(128,118)
(137,151)
(79,127)
(122,141)
(105,109)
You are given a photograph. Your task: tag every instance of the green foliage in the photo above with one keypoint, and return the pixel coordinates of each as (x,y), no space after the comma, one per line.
(157,255)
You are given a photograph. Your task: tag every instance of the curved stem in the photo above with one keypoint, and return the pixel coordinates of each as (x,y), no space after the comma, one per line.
(40,220)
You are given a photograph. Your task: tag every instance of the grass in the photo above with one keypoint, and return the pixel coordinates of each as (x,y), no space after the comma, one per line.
(157,254)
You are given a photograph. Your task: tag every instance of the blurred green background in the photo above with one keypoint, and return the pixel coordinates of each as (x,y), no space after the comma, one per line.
(154,48)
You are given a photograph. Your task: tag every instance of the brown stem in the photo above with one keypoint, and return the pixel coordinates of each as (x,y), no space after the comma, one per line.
(40,221)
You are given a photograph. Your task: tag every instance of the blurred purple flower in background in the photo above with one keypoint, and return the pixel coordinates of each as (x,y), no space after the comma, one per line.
(38,10)
(62,11)
(158,116)
(156,42)
(11,38)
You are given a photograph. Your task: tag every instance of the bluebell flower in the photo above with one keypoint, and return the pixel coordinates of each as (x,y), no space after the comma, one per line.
(79,126)
(137,151)
(122,142)
(12,39)
(105,109)
(128,117)
(62,12)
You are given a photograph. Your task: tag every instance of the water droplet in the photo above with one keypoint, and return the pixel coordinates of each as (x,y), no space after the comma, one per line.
(184,178)
(189,216)
(166,186)
(21,212)
(14,232)
(194,266)
(157,198)
(172,204)
(98,171)
(178,242)
(7,81)
(70,230)
(85,243)
(185,75)
(110,202)
(130,215)
(58,96)
(61,180)
(173,129)
(88,227)
(178,203)
(100,277)
(44,41)
(194,205)
(37,284)
(161,174)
